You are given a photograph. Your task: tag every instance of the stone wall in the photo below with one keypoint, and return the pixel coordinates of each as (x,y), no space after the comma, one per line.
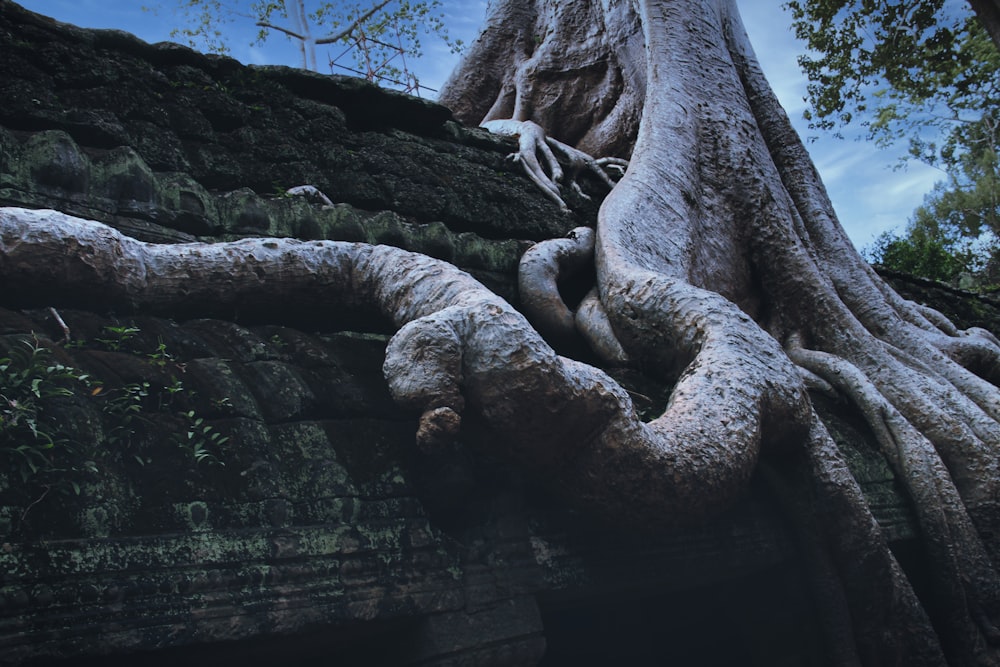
(310,528)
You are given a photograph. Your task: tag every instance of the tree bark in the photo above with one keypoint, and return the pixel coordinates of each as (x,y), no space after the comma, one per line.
(576,69)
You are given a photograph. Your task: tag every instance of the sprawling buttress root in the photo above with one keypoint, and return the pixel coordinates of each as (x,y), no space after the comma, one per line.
(905,368)
(869,613)
(964,576)
(459,346)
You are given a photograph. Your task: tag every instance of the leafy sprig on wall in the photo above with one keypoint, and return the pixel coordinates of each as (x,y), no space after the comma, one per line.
(31,438)
(45,455)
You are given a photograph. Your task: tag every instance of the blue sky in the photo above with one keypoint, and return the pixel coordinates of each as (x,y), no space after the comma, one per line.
(868,195)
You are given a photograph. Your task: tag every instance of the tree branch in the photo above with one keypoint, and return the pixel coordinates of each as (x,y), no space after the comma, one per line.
(290,33)
(337,36)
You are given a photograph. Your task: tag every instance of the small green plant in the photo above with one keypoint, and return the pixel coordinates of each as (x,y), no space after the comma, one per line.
(170,392)
(279,191)
(30,436)
(201,439)
(35,388)
(160,357)
(117,337)
(130,407)
(223,404)
(124,405)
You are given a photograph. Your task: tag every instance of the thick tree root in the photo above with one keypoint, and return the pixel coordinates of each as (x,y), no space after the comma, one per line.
(538,275)
(718,242)
(539,272)
(593,324)
(459,346)
(721,227)
(965,581)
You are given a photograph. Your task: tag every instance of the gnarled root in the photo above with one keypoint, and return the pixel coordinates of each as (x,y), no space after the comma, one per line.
(580,162)
(538,275)
(459,347)
(533,141)
(310,193)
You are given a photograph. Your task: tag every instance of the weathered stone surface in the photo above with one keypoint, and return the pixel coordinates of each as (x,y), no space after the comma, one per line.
(322,515)
(72,96)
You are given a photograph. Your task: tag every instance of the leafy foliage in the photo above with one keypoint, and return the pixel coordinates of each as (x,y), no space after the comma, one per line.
(129,406)
(204,24)
(920,254)
(897,68)
(30,435)
(44,454)
(373,39)
(125,405)
(201,440)
(942,243)
(923,71)
(117,337)
(963,213)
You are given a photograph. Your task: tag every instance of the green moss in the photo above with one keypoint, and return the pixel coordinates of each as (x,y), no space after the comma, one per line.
(309,467)
(436,240)
(193,209)
(344,223)
(56,164)
(475,252)
(11,159)
(122,177)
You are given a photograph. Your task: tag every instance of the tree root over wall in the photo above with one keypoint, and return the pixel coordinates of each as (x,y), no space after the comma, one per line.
(720,267)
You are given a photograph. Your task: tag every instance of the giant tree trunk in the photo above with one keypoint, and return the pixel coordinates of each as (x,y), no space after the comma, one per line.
(720,266)
(722,219)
